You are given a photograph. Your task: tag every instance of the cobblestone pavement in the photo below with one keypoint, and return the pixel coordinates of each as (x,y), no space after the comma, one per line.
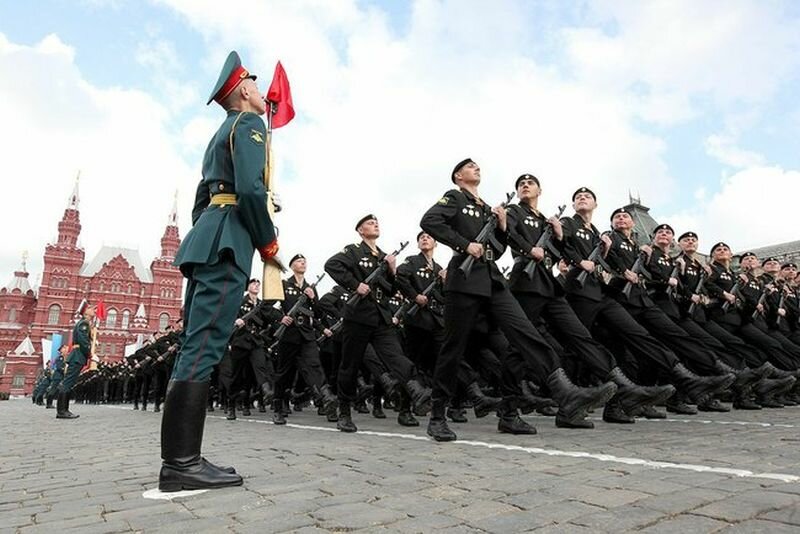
(736,472)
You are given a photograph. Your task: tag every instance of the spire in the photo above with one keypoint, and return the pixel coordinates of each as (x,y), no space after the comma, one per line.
(24,268)
(74,198)
(173,216)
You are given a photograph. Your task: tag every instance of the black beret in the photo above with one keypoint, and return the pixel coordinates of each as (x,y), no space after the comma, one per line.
(364,219)
(423,232)
(789,265)
(619,210)
(663,226)
(720,244)
(458,168)
(687,234)
(526,177)
(253,280)
(295,258)
(771,258)
(748,255)
(584,190)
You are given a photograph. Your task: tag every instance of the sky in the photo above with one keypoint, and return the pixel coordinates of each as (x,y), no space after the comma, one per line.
(689,106)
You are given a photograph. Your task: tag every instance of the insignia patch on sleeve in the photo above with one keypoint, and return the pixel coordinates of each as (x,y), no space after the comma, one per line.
(256,137)
(443,200)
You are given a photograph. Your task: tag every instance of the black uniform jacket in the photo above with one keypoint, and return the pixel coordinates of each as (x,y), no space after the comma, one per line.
(621,256)
(689,279)
(722,280)
(579,242)
(456,220)
(351,267)
(303,327)
(414,275)
(525,227)
(660,267)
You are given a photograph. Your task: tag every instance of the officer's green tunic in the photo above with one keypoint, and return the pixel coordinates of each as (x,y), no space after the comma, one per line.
(82,341)
(217,253)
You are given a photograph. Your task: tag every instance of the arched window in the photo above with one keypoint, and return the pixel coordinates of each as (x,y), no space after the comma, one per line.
(130,288)
(53,314)
(111,319)
(12,315)
(163,321)
(126,318)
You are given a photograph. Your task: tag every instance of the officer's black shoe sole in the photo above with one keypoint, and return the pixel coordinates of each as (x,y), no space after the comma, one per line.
(200,477)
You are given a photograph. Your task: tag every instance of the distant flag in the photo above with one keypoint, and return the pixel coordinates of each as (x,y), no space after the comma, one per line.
(100,312)
(281,94)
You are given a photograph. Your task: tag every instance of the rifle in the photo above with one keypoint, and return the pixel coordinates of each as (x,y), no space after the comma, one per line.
(762,300)
(674,274)
(543,242)
(298,305)
(780,306)
(335,327)
(379,271)
(735,291)
(484,236)
(697,290)
(411,309)
(596,257)
(637,269)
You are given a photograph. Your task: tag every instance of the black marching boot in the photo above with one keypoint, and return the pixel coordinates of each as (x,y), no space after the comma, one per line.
(345,422)
(631,397)
(405,417)
(532,399)
(678,404)
(510,422)
(326,399)
(420,397)
(49,402)
(437,426)
(481,404)
(698,387)
(277,412)
(183,468)
(377,408)
(575,402)
(62,407)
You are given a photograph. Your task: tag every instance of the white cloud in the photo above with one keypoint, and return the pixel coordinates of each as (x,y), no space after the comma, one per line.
(724,149)
(61,124)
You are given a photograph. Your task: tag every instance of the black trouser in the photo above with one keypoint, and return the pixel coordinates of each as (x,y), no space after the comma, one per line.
(764,342)
(330,357)
(423,347)
(568,330)
(297,357)
(699,334)
(384,340)
(256,358)
(624,328)
(461,311)
(673,336)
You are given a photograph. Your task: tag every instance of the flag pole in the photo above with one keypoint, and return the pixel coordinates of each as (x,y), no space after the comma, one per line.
(271,281)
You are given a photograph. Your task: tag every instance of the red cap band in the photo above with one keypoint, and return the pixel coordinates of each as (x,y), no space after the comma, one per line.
(238,74)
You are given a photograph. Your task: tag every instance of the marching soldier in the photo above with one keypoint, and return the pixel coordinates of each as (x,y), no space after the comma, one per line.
(297,349)
(230,221)
(368,321)
(58,374)
(456,220)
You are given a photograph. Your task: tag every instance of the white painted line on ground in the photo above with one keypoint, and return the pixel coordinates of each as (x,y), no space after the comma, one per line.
(710,422)
(159,495)
(553,452)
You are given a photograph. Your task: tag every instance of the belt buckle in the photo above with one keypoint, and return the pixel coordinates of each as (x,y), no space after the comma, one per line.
(548,262)
(378,294)
(488,254)
(301,320)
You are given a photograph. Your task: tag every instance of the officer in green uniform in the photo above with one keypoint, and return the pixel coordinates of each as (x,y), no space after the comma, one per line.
(230,222)
(80,354)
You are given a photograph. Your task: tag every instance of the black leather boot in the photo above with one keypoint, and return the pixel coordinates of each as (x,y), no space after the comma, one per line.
(326,399)
(456,412)
(277,413)
(377,408)
(481,404)
(49,402)
(511,423)
(631,396)
(232,402)
(183,468)
(405,417)
(651,412)
(614,413)
(62,407)
(744,377)
(698,387)
(532,399)
(345,422)
(767,389)
(267,391)
(575,402)
(389,384)
(420,397)
(135,404)
(710,404)
(437,426)
(677,404)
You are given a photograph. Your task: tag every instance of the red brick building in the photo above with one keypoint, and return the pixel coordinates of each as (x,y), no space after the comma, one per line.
(138,300)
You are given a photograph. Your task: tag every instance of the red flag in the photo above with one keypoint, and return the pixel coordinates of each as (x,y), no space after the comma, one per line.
(280,93)
(100,311)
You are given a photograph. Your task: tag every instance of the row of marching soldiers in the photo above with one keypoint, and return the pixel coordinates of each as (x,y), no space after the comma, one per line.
(138,378)
(585,320)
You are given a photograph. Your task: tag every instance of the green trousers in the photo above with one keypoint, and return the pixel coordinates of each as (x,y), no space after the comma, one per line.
(213,296)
